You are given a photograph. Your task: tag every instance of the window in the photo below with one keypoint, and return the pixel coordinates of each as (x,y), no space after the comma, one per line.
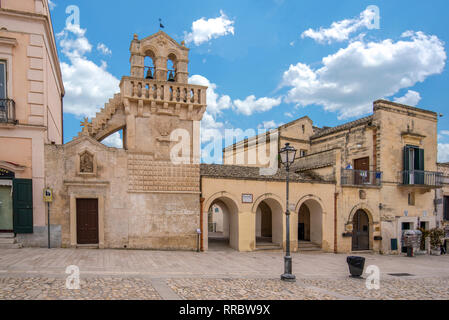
(3,94)
(302,153)
(413,165)
(411,199)
(446,209)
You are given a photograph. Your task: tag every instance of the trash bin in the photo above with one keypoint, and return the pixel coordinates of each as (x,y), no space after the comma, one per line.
(356,266)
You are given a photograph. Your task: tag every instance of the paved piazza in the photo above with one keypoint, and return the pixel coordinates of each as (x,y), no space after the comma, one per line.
(220,274)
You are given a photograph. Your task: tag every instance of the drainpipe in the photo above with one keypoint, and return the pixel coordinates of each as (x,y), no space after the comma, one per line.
(201,224)
(335,222)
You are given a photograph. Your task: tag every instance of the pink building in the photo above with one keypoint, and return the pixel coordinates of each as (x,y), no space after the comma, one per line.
(31,92)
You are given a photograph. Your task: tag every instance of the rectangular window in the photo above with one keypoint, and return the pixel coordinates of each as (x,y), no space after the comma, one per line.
(446,209)
(3,91)
(411,199)
(413,165)
(302,153)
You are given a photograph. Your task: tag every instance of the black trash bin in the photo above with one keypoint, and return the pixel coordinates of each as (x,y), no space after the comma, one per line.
(356,266)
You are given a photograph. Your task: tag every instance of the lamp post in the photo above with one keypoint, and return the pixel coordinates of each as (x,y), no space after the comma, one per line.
(288,154)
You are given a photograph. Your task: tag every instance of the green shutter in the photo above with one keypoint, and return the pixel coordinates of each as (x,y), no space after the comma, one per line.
(23,205)
(421,160)
(405,174)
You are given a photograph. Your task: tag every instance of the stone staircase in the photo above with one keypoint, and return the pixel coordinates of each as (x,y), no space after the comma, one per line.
(268,246)
(101,119)
(307,246)
(9,241)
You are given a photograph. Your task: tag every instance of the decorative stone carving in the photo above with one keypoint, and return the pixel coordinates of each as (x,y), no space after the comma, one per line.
(86,164)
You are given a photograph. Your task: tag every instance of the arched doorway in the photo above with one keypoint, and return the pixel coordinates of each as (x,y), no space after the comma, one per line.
(269,224)
(360,231)
(222,225)
(310,224)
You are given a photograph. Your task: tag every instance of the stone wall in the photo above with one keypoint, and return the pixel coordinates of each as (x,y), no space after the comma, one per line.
(132,214)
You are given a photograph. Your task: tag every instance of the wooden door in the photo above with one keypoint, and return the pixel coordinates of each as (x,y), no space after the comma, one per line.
(23,205)
(87,221)
(360,234)
(361,173)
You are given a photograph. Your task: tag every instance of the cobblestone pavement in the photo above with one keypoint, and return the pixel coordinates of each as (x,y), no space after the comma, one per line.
(153,275)
(90,289)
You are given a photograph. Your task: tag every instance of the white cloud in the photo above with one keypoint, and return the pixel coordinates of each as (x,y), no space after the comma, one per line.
(353,77)
(268,125)
(88,85)
(288,114)
(204,30)
(215,102)
(251,105)
(443,152)
(51,4)
(114,141)
(104,49)
(411,98)
(341,30)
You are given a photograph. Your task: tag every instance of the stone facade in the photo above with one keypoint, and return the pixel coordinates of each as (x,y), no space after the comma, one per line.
(364,162)
(145,199)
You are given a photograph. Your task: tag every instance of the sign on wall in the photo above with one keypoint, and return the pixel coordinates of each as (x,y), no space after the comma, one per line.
(48,195)
(247,198)
(6,173)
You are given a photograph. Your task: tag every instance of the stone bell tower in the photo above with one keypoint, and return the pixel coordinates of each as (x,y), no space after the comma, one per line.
(158,100)
(159,197)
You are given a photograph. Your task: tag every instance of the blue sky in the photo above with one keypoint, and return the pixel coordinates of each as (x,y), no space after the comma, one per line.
(267,62)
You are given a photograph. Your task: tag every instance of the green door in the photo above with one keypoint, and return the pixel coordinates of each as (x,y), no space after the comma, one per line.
(6,220)
(23,205)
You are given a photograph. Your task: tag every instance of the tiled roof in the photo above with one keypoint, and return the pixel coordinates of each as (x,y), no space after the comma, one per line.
(253,173)
(342,127)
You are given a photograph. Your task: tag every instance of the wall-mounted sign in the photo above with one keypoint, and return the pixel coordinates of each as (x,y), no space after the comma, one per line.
(48,195)
(405,213)
(247,198)
(6,173)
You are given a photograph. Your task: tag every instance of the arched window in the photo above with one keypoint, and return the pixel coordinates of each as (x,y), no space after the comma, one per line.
(149,65)
(171,67)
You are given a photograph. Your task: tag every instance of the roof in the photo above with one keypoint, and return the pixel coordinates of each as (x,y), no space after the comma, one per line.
(252,173)
(342,127)
(403,106)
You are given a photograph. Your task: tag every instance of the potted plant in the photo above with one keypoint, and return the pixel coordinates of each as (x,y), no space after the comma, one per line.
(436,238)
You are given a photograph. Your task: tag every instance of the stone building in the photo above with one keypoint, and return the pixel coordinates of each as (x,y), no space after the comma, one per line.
(31,92)
(356,186)
(135,197)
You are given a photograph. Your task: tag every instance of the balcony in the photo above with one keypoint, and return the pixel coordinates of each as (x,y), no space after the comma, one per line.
(419,178)
(7,111)
(361,178)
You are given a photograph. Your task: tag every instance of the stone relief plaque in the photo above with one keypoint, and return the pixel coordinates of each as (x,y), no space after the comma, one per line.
(86,162)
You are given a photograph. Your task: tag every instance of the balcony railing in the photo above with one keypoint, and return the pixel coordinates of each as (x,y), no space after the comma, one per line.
(351,177)
(7,111)
(421,178)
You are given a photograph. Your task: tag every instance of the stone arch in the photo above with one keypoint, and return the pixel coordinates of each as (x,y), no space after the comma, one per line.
(361,206)
(267,196)
(369,213)
(229,207)
(309,219)
(273,204)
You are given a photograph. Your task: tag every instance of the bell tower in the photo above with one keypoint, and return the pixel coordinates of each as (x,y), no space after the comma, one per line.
(157,97)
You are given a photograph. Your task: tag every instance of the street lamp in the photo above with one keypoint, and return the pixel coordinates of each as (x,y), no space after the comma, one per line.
(288,154)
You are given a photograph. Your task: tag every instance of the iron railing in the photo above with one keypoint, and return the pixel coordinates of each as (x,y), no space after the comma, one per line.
(421,178)
(350,177)
(7,111)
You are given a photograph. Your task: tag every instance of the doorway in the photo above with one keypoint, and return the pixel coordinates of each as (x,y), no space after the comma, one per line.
(361,169)
(87,221)
(6,209)
(360,237)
